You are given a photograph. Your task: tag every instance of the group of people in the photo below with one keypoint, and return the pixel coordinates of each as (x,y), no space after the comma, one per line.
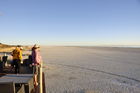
(17,57)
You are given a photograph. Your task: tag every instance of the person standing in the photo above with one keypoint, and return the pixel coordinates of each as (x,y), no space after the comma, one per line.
(36,59)
(17,57)
(4,59)
(1,65)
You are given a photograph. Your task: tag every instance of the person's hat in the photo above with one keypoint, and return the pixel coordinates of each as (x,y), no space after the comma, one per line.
(36,46)
(18,45)
(21,48)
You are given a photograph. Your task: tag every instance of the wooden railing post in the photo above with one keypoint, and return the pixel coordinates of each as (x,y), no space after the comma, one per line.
(40,77)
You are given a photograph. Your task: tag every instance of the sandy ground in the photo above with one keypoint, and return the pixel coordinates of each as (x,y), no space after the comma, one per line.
(91,70)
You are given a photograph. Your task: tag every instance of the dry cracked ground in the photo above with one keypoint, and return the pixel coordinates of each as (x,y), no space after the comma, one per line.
(91,69)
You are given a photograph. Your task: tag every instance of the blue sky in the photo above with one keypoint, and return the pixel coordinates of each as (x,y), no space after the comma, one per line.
(70,22)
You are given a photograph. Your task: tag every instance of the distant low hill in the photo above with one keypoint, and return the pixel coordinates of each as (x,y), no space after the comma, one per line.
(6,47)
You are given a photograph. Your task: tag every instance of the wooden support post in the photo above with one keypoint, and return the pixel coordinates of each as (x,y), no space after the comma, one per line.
(40,76)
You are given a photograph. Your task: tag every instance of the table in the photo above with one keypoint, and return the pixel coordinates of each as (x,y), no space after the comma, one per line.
(26,79)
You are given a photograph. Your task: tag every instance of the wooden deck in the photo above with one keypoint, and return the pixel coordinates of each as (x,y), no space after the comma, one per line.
(24,70)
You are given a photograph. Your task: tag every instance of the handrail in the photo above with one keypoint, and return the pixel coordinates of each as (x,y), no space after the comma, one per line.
(40,75)
(44,86)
